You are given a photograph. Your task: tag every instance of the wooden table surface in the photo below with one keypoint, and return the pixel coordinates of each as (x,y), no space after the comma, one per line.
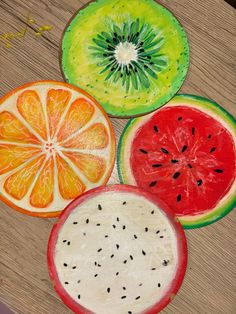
(210,282)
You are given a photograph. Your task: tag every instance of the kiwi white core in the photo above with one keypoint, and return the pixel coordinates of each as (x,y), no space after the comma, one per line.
(116,253)
(125,53)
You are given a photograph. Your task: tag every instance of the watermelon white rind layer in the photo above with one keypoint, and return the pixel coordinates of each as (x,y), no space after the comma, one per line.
(228,202)
(117,249)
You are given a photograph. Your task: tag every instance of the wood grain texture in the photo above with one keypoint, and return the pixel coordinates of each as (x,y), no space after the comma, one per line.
(210,282)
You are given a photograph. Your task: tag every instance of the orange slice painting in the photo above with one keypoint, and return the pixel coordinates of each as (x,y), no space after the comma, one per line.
(56,142)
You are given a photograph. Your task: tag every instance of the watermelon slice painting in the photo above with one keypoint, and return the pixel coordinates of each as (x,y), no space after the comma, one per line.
(185,154)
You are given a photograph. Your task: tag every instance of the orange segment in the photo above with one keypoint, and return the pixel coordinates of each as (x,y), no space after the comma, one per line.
(11,156)
(78,115)
(12,130)
(42,194)
(57,101)
(30,107)
(94,137)
(70,185)
(18,184)
(93,167)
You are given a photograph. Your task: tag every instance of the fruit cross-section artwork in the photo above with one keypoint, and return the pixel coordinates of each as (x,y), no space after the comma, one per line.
(56,142)
(185,154)
(117,250)
(132,56)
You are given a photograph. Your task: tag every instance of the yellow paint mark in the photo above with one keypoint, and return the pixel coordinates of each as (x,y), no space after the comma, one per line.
(6,38)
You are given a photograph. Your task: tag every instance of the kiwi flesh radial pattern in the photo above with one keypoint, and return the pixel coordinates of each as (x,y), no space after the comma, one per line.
(117,250)
(132,56)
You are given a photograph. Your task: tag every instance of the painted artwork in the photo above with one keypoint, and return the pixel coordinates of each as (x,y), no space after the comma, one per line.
(185,154)
(134,264)
(56,142)
(132,56)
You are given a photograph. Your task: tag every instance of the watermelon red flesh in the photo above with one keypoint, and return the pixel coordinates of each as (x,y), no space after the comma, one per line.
(185,157)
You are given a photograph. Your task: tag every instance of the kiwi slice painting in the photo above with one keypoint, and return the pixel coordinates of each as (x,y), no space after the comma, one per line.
(132,56)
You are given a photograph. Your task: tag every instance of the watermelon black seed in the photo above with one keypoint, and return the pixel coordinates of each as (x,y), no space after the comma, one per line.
(84,233)
(64,241)
(95,263)
(155,128)
(118,219)
(158,231)
(124,203)
(124,288)
(95,275)
(209,136)
(117,246)
(66,282)
(106,236)
(174,161)
(176,175)
(124,227)
(159,285)
(125,261)
(153,268)
(99,207)
(129,312)
(179,198)
(199,182)
(135,236)
(68,243)
(140,284)
(143,252)
(78,296)
(131,257)
(143,151)
(180,118)
(108,290)
(156,165)
(75,223)
(161,237)
(123,297)
(153,183)
(165,151)
(165,262)
(218,170)
(190,166)
(78,281)
(87,221)
(152,212)
(65,264)
(193,131)
(99,250)
(98,225)
(184,148)
(114,226)
(146,229)
(212,149)
(99,265)
(117,273)
(137,297)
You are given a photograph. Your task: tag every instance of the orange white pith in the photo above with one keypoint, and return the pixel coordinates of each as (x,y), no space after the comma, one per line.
(55,143)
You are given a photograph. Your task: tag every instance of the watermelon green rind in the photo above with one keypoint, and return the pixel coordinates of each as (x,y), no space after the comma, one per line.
(227,203)
(208,105)
(78,66)
(211,217)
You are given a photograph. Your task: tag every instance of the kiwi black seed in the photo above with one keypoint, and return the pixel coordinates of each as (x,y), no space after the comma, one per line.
(144,43)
